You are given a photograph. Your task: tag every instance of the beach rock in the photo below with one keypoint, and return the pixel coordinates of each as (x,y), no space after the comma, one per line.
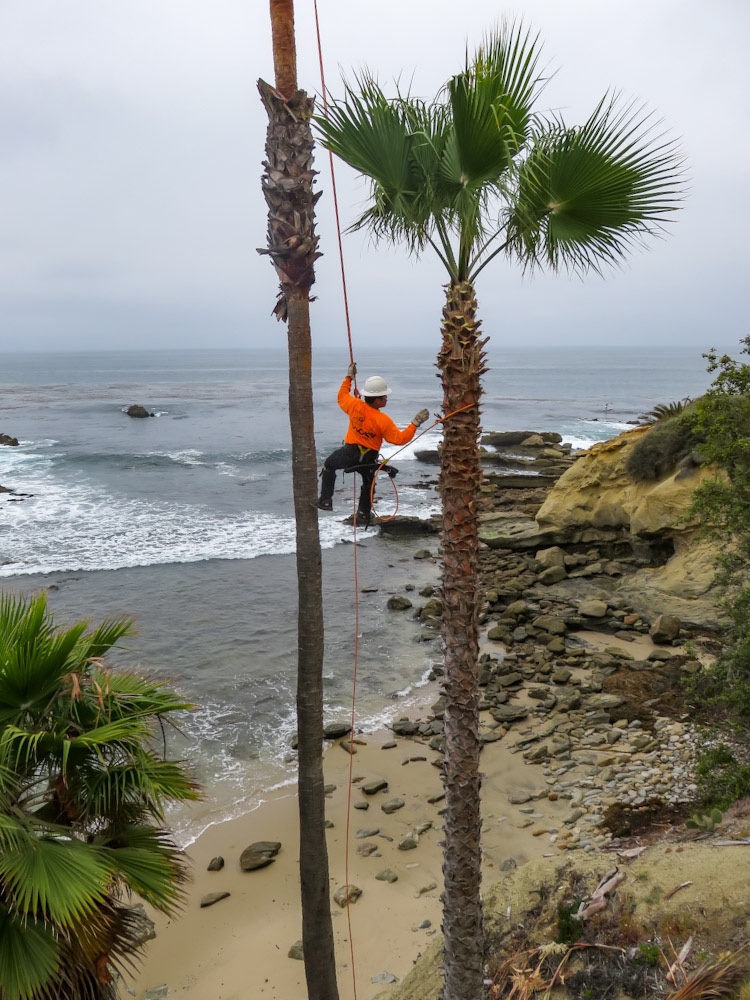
(384,977)
(398,603)
(392,805)
(593,608)
(408,842)
(405,727)
(6,439)
(142,927)
(554,556)
(296,952)
(157,993)
(366,850)
(215,864)
(259,855)
(373,787)
(213,897)
(136,410)
(666,628)
(335,730)
(347,894)
(387,875)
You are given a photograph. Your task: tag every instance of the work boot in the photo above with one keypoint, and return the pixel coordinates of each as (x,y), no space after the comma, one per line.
(324,503)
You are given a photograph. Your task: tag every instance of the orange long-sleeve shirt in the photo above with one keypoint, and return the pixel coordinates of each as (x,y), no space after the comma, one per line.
(368,426)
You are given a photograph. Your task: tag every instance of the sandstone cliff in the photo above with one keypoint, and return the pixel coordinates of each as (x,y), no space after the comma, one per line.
(595,502)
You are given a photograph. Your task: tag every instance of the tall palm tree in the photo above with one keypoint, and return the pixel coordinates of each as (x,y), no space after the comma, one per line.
(474,175)
(83,786)
(292,245)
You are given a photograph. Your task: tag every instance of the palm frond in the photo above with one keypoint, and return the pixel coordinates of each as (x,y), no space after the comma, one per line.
(491,104)
(59,881)
(585,195)
(135,788)
(375,136)
(29,957)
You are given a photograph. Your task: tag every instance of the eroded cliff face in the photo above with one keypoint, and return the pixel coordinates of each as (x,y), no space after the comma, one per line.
(596,492)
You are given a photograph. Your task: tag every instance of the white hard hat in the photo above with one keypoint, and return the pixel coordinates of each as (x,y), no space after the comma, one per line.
(375,386)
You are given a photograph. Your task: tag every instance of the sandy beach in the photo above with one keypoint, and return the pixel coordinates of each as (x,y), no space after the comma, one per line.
(238,948)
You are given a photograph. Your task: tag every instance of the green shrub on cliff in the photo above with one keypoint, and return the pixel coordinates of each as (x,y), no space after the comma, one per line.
(670,440)
(83,786)
(723,505)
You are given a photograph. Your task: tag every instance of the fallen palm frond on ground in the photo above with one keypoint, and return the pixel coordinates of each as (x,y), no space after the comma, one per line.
(718,980)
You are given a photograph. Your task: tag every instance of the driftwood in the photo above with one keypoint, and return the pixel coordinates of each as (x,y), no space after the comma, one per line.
(678,962)
(601,895)
(682,885)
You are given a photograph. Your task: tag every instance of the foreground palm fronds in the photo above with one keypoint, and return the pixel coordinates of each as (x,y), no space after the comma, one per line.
(83,786)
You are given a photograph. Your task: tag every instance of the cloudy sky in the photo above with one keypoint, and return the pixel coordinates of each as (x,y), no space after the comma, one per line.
(132,135)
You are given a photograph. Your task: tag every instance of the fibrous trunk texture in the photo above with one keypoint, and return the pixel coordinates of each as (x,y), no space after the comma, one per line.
(292,245)
(461,364)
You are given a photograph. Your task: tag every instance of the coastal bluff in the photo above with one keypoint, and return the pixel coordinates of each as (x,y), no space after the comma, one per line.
(617,538)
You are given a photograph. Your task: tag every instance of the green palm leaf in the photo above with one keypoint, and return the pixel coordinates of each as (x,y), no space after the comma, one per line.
(53,880)
(585,195)
(28,957)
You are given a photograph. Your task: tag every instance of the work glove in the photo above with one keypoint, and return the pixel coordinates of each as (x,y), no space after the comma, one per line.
(421,417)
(351,371)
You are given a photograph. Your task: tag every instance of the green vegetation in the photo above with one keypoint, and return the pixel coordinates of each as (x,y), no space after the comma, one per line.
(722,504)
(705,821)
(670,440)
(83,789)
(722,779)
(650,954)
(664,411)
(569,926)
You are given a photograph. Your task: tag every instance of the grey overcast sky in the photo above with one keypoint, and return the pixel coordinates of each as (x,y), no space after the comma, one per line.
(131,141)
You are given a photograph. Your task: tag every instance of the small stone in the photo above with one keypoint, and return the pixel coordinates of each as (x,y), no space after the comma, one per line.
(392,806)
(384,977)
(215,864)
(347,894)
(373,787)
(398,603)
(408,842)
(518,796)
(213,897)
(387,875)
(296,951)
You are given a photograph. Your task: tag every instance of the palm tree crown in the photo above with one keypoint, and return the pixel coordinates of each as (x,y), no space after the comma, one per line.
(83,786)
(476,172)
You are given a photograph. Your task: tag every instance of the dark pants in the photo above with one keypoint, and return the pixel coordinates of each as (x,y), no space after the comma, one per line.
(350,458)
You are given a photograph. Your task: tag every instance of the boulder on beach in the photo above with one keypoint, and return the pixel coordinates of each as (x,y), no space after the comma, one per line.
(8,440)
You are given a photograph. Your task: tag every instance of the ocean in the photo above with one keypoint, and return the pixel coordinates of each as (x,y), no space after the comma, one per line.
(184,522)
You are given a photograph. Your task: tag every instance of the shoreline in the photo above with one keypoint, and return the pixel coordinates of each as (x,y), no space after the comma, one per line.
(239,946)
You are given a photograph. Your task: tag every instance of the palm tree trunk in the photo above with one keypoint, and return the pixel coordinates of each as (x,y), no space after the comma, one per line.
(292,244)
(461,364)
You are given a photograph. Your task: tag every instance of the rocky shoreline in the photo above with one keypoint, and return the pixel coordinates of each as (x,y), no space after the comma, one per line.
(573,675)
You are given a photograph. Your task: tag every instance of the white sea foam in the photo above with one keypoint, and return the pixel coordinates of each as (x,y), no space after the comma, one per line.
(82,528)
